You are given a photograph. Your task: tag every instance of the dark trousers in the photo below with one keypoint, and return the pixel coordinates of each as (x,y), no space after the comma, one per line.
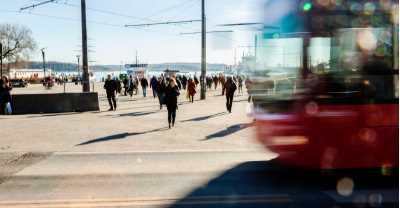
(160,99)
(125,91)
(191,98)
(171,114)
(229,101)
(111,100)
(144,89)
(154,92)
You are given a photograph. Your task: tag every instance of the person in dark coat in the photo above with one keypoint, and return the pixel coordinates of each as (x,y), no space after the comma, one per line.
(184,82)
(171,100)
(130,85)
(119,86)
(215,80)
(5,95)
(161,91)
(111,88)
(125,82)
(222,81)
(153,86)
(144,83)
(230,88)
(196,80)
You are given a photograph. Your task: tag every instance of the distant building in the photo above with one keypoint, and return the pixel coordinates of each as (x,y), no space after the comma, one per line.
(137,70)
(28,73)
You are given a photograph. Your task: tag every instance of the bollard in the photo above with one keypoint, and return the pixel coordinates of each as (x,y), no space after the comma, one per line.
(64,87)
(93,86)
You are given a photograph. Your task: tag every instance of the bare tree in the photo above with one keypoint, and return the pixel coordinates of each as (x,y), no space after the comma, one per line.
(17,42)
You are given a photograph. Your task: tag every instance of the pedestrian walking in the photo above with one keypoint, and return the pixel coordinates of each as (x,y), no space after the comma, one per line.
(248,83)
(240,83)
(125,82)
(135,85)
(191,89)
(130,86)
(230,88)
(119,86)
(161,91)
(209,82)
(171,100)
(144,83)
(153,86)
(222,81)
(111,87)
(184,82)
(5,96)
(196,80)
(215,79)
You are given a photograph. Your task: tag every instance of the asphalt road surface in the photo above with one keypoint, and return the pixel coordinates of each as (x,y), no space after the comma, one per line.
(191,179)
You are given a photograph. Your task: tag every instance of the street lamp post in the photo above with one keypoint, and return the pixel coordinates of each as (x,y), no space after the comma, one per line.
(78,69)
(44,62)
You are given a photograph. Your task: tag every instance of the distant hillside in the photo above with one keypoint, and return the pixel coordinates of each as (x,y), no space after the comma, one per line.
(70,67)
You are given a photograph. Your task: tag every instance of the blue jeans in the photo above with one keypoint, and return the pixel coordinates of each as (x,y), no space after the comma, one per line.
(144,91)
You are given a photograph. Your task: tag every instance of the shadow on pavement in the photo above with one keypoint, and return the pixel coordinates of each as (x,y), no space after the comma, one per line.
(119,136)
(184,102)
(202,118)
(228,131)
(268,184)
(54,114)
(140,113)
(238,101)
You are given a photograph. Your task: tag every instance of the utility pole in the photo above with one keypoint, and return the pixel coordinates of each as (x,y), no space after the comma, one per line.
(1,60)
(85,66)
(44,62)
(203,52)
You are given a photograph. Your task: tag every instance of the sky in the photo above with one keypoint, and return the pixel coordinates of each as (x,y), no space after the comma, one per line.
(56,27)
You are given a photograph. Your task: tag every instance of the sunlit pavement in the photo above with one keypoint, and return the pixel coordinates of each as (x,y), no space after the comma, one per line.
(137,125)
(128,158)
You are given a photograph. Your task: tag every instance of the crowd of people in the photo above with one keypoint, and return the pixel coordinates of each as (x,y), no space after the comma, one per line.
(167,89)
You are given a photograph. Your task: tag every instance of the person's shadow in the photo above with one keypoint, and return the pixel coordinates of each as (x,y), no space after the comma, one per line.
(269,184)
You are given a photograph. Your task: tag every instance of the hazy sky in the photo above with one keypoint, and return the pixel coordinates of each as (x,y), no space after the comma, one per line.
(56,26)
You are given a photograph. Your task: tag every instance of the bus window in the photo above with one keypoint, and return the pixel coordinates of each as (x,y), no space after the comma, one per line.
(354,64)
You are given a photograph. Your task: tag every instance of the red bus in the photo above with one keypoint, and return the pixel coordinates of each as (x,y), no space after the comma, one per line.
(326,91)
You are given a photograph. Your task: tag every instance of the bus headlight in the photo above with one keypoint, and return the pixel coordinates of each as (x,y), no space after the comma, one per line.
(288,140)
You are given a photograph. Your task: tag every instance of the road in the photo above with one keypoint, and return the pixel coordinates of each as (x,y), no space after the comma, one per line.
(188,179)
(128,158)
